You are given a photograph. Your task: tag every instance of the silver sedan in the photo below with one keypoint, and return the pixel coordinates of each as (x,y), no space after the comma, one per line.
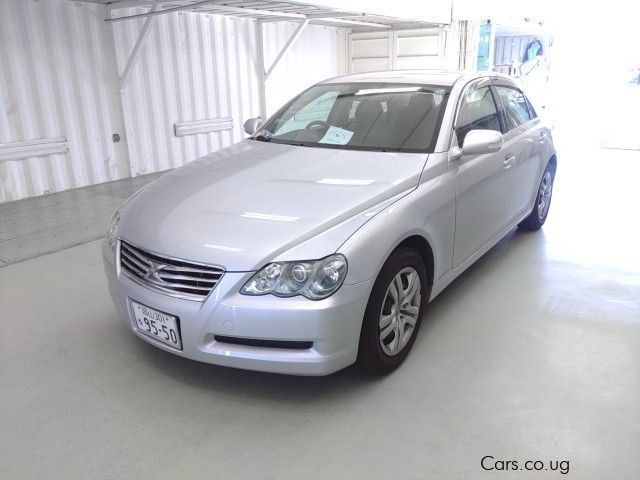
(320,240)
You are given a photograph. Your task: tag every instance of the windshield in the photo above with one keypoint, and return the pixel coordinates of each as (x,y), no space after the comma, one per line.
(361,116)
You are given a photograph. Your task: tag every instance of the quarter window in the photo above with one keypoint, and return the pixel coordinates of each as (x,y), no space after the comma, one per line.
(516,107)
(477,112)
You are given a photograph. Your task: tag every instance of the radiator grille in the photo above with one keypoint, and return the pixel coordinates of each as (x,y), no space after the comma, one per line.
(190,280)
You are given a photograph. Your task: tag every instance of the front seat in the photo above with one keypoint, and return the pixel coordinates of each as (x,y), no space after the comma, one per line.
(414,125)
(368,124)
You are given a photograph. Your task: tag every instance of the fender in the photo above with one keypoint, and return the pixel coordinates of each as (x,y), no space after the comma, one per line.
(428,211)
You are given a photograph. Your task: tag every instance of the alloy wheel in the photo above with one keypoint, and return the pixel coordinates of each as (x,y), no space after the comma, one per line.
(544,195)
(400,310)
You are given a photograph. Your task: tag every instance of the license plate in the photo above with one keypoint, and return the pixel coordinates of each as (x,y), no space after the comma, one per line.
(157,325)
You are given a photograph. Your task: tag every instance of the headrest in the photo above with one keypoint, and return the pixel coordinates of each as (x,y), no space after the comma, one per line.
(421,103)
(367,112)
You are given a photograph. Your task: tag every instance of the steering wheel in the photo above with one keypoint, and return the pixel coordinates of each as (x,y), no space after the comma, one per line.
(317,123)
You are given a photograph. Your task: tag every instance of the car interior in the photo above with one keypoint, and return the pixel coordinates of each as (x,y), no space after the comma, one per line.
(391,121)
(478,111)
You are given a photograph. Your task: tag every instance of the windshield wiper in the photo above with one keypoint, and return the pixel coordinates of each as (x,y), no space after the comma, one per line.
(296,144)
(261,138)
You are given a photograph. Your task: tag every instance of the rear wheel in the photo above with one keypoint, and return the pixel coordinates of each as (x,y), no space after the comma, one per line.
(394,312)
(538,215)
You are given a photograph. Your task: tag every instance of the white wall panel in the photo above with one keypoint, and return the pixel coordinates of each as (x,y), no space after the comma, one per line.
(370,51)
(461,45)
(373,64)
(418,62)
(59,69)
(58,80)
(403,49)
(418,45)
(193,67)
(371,47)
(319,53)
(203,67)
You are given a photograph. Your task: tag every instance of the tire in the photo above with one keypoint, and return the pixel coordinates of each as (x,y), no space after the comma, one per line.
(538,215)
(381,355)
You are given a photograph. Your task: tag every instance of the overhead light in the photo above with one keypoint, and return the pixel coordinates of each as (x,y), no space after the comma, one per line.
(267,216)
(345,181)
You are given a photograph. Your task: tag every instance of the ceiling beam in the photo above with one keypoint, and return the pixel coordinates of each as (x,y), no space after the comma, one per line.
(164,11)
(137,49)
(250,11)
(313,16)
(345,21)
(129,3)
(294,36)
(332,17)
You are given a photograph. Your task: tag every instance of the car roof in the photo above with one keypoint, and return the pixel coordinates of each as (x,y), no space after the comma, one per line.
(426,77)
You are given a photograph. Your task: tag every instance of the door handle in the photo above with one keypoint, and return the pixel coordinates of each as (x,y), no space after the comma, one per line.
(542,137)
(509,160)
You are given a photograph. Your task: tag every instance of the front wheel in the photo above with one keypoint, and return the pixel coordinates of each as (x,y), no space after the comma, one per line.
(538,215)
(394,312)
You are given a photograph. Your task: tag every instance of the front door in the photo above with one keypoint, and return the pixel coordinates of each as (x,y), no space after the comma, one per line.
(485,184)
(528,138)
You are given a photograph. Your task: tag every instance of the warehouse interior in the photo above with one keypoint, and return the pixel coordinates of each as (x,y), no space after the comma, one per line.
(533,353)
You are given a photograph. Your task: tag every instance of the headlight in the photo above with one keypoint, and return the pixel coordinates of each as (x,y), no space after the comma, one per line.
(314,279)
(113,229)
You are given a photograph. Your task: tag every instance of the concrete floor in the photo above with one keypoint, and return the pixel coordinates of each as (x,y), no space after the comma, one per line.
(533,354)
(51,223)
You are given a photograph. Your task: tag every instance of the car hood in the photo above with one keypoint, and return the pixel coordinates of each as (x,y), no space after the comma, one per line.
(254,202)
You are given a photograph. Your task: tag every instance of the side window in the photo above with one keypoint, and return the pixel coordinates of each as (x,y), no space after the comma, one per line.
(516,107)
(532,112)
(477,112)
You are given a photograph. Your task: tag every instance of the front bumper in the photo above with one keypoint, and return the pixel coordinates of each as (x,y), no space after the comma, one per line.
(332,324)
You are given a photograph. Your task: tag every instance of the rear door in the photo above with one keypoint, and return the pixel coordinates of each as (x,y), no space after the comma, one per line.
(526,138)
(485,184)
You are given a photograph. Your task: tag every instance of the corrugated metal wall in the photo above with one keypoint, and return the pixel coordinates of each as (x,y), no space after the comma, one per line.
(319,53)
(59,67)
(200,66)
(193,67)
(58,79)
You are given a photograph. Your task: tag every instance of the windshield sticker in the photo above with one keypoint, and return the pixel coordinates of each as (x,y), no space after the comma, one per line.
(336,136)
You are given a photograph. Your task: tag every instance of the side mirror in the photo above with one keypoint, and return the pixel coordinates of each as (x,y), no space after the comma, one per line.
(252,125)
(478,142)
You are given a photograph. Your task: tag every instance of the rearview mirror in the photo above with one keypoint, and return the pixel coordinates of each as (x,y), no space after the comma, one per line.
(478,142)
(252,125)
